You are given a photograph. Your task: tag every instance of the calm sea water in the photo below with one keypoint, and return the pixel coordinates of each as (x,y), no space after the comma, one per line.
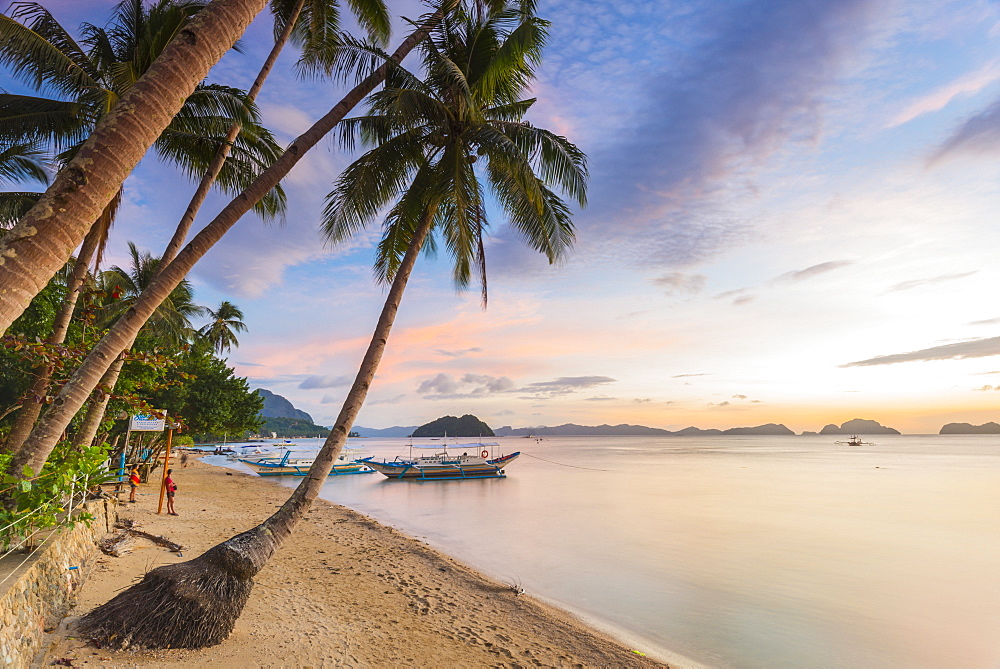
(734,552)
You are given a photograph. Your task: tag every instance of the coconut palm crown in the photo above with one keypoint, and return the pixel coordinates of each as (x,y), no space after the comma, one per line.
(171,323)
(78,82)
(220,332)
(435,138)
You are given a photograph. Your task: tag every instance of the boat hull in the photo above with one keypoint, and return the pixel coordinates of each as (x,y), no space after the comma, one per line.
(301,469)
(456,470)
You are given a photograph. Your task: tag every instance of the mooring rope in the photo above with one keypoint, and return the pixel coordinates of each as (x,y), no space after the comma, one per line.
(563,464)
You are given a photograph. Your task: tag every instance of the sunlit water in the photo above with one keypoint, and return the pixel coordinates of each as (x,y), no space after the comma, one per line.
(734,552)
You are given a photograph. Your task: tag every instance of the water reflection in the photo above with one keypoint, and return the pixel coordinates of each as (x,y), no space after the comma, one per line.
(739,552)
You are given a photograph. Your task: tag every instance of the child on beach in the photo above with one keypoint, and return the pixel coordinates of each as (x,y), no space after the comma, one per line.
(133,483)
(171,489)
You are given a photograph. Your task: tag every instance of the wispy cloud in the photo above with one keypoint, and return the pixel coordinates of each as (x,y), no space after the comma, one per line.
(679,283)
(458,354)
(757,81)
(976,348)
(566,384)
(814,270)
(917,283)
(977,136)
(314,382)
(939,98)
(468,386)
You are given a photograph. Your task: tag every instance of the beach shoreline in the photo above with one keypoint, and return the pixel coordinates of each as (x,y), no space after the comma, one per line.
(345,590)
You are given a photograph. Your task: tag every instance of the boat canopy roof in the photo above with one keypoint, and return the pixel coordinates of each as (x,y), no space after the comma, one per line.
(452,446)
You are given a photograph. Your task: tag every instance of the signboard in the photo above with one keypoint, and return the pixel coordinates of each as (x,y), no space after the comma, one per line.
(146,423)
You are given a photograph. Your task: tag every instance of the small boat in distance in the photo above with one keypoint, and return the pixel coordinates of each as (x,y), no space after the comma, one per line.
(286,465)
(444,466)
(855,440)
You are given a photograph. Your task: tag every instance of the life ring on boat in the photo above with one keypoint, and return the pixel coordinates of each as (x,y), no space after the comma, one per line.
(486,454)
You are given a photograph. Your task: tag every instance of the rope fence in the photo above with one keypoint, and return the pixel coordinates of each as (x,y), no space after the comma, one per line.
(9,532)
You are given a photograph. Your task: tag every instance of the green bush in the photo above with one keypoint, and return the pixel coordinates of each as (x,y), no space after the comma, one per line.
(34,503)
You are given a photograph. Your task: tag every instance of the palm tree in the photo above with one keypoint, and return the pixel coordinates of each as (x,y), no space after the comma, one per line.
(477,65)
(98,363)
(106,67)
(220,332)
(171,322)
(314,26)
(35,248)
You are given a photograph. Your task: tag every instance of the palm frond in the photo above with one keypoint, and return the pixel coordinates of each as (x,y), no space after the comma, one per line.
(368,185)
(25,119)
(348,60)
(14,205)
(40,52)
(22,161)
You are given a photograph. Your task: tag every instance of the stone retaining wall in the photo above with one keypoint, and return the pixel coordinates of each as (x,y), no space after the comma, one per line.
(40,592)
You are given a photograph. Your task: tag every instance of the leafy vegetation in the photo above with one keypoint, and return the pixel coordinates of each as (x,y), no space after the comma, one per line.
(292,427)
(35,504)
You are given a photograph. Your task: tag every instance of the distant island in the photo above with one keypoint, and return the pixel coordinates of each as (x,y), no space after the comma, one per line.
(968,428)
(450,426)
(859,426)
(282,418)
(573,430)
(395,431)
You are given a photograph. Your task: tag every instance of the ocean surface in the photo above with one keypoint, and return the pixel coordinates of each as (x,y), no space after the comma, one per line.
(732,551)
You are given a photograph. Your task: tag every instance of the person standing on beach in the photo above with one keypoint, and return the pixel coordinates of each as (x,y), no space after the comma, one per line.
(133,484)
(171,489)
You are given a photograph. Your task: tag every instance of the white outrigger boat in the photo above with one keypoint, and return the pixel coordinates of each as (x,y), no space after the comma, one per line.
(257,450)
(286,465)
(855,440)
(444,465)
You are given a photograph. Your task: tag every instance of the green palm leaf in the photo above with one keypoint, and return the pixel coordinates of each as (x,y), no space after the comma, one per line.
(434,138)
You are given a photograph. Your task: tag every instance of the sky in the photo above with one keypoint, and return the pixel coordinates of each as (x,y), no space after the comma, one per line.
(792,219)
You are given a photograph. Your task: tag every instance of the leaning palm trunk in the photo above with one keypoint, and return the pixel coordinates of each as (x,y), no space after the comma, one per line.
(212,173)
(31,409)
(34,249)
(213,587)
(98,405)
(75,392)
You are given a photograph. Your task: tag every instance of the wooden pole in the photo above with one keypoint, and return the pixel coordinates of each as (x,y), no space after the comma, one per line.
(166,463)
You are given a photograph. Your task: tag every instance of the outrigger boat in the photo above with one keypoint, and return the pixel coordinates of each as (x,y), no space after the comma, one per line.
(286,465)
(444,465)
(855,440)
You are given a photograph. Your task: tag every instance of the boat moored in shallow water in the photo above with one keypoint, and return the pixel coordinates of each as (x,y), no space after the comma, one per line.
(475,462)
(286,465)
(855,440)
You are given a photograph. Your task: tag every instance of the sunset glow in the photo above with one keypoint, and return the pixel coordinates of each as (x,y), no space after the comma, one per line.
(792,219)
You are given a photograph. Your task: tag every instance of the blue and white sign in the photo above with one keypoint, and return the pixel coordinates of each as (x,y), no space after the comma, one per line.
(145,423)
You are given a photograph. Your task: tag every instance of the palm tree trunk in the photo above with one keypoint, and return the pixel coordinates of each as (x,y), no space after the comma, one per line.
(74,393)
(212,173)
(96,407)
(214,587)
(32,407)
(34,249)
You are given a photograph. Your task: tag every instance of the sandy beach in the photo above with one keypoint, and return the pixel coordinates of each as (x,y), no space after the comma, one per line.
(344,591)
